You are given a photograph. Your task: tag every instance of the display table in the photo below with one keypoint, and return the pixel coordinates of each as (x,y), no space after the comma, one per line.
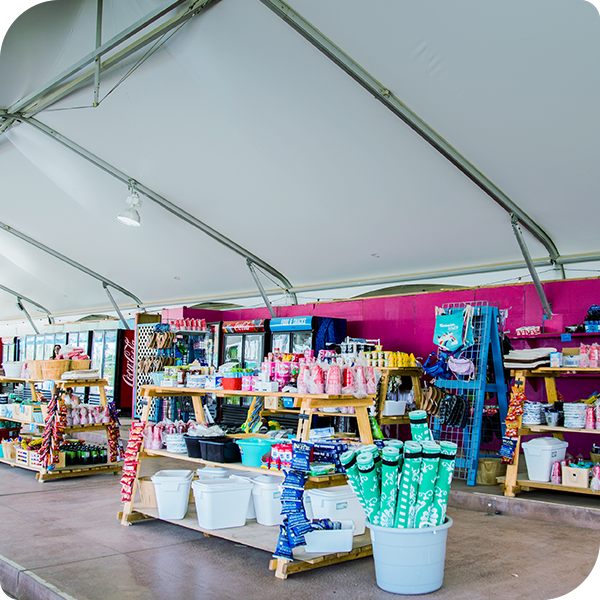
(252,534)
(30,382)
(511,484)
(44,474)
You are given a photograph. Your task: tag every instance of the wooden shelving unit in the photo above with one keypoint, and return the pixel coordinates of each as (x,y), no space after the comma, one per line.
(511,484)
(44,474)
(415,373)
(252,534)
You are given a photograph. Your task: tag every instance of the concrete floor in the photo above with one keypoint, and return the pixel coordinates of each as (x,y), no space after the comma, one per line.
(61,539)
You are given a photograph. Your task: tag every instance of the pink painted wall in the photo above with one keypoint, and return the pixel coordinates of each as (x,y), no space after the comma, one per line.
(406,323)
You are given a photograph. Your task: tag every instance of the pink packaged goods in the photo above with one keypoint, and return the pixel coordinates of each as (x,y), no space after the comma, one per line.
(334,381)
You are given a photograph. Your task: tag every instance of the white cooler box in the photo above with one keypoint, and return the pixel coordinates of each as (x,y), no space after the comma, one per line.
(172,488)
(221,503)
(540,453)
(247,476)
(338,503)
(266,494)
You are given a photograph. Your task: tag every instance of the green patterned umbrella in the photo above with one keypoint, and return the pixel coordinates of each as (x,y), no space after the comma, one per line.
(429,469)
(348,459)
(389,485)
(441,492)
(419,428)
(369,485)
(409,484)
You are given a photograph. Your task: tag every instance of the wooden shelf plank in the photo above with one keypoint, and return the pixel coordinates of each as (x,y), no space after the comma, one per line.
(546,485)
(253,534)
(549,429)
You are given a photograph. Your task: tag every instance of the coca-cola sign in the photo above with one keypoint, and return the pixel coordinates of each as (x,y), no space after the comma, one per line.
(249,326)
(128,369)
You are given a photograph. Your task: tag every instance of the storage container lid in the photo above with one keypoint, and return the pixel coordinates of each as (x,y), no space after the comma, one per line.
(227,483)
(338,492)
(213,472)
(267,480)
(172,474)
(256,441)
(546,442)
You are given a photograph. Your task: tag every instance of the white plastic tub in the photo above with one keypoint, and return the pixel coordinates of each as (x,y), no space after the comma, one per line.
(247,476)
(221,503)
(338,503)
(13,369)
(172,488)
(540,453)
(266,494)
(332,540)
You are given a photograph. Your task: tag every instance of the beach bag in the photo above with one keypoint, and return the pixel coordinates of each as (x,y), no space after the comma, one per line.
(454,330)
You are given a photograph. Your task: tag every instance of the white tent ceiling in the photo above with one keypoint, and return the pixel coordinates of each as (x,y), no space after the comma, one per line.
(239,121)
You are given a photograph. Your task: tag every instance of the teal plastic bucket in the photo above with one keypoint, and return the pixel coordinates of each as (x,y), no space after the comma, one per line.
(409,561)
(252,450)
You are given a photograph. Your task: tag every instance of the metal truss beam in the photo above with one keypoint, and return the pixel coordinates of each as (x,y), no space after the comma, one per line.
(34,98)
(396,106)
(20,298)
(67,260)
(158,199)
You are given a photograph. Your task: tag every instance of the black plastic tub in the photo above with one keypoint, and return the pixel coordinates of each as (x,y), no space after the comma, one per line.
(193,445)
(219,449)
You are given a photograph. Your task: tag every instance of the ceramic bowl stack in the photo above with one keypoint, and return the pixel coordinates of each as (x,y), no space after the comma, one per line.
(575,414)
(175,443)
(532,413)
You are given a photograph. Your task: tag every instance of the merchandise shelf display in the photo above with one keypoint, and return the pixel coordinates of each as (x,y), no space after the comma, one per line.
(62,471)
(511,484)
(252,534)
(415,374)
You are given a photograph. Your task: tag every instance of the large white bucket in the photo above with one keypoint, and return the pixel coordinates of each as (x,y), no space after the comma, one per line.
(409,561)
(172,488)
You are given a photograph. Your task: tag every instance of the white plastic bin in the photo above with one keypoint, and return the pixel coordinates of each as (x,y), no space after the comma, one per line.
(221,503)
(338,503)
(332,540)
(247,476)
(540,453)
(172,488)
(266,493)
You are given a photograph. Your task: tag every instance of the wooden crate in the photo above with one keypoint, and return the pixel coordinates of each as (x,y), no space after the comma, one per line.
(21,456)
(8,449)
(574,477)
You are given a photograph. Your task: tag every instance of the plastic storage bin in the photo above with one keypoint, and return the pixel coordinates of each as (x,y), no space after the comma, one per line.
(338,503)
(266,494)
(192,443)
(219,449)
(332,540)
(252,450)
(247,476)
(221,503)
(172,489)
(540,453)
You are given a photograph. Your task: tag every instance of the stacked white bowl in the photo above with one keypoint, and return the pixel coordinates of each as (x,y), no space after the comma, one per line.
(575,414)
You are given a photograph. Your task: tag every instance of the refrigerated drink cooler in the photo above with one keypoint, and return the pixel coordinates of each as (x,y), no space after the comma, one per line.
(246,342)
(296,334)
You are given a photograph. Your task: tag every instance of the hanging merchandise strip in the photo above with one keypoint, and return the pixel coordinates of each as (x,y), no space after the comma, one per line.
(53,430)
(136,436)
(511,435)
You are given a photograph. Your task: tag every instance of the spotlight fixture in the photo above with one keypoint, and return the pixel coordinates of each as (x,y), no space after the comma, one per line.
(130,216)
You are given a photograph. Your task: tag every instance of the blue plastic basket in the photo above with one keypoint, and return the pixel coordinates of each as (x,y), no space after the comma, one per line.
(253,449)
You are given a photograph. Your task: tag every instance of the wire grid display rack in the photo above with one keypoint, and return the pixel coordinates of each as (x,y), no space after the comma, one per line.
(486,346)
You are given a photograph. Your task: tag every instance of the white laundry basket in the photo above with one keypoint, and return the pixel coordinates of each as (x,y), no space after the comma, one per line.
(338,503)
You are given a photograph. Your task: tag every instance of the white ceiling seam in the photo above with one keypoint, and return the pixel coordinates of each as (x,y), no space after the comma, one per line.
(163,202)
(387,97)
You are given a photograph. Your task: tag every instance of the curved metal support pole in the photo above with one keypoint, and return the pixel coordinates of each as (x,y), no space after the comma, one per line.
(390,101)
(20,297)
(67,260)
(261,289)
(531,267)
(163,202)
(23,309)
(116,307)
